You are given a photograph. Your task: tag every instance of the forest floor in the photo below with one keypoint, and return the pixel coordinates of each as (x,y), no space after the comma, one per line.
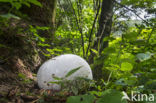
(16,88)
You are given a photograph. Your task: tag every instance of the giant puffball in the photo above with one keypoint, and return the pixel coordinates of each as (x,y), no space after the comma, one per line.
(60,66)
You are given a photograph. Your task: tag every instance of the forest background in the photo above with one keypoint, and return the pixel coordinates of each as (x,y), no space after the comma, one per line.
(116,37)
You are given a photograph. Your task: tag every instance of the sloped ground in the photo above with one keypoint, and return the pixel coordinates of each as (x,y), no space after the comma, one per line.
(20,58)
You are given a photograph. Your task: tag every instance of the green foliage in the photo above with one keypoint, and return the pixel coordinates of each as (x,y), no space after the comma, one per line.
(129,58)
(69,31)
(125,66)
(74,86)
(108,96)
(23,78)
(18,3)
(111,96)
(81,99)
(144,56)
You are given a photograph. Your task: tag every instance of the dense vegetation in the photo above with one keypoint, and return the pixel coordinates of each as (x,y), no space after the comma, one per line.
(116,37)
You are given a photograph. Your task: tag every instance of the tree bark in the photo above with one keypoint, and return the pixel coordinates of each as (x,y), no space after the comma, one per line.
(43,16)
(105,24)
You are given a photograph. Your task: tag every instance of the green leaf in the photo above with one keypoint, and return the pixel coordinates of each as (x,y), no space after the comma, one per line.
(111,96)
(131,80)
(109,50)
(132,36)
(35,2)
(56,78)
(9,15)
(22,76)
(3,46)
(144,56)
(95,51)
(72,71)
(17,5)
(26,3)
(126,66)
(140,42)
(153,69)
(55,82)
(42,28)
(43,44)
(81,99)
(108,39)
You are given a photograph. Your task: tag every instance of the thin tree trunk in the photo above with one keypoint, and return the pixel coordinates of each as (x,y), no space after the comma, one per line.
(105,23)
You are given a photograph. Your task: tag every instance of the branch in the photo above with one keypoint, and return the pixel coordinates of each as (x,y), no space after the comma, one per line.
(80,29)
(90,36)
(133,11)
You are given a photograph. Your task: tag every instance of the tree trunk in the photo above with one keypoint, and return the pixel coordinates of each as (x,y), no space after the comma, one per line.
(105,24)
(44,16)
(104,30)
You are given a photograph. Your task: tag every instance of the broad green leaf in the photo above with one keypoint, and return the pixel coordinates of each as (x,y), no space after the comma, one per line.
(81,99)
(111,96)
(126,66)
(131,80)
(144,56)
(132,36)
(72,71)
(109,50)
(153,70)
(108,39)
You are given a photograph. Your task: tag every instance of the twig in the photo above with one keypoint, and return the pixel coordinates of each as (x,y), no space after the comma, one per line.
(109,77)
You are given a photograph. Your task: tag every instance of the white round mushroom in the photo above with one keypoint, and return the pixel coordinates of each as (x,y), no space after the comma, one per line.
(60,66)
